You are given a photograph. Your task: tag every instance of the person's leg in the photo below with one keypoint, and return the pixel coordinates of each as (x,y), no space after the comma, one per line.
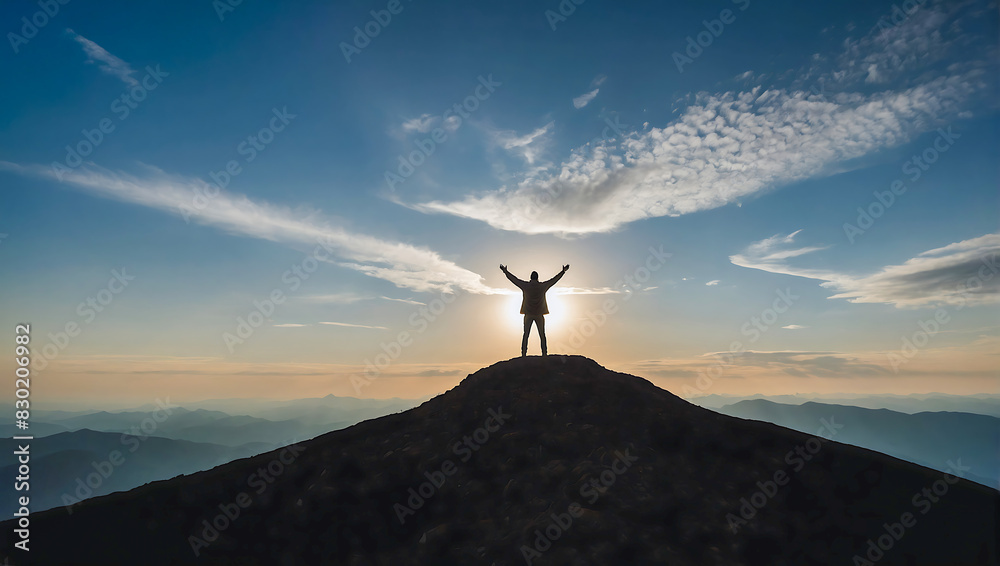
(527,331)
(540,322)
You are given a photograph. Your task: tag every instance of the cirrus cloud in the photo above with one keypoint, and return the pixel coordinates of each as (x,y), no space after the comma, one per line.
(107,63)
(956,274)
(404,265)
(585,98)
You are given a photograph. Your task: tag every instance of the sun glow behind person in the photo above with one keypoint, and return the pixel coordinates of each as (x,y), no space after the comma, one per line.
(557,322)
(558,317)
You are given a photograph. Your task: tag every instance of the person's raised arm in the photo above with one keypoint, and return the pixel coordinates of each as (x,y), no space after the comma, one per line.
(556,279)
(517,282)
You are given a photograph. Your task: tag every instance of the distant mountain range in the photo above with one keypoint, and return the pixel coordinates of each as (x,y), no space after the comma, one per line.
(274,422)
(70,466)
(346,408)
(541,460)
(198,425)
(929,439)
(156,445)
(982,404)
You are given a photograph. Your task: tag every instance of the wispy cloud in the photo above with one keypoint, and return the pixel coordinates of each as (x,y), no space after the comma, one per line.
(712,282)
(438,372)
(422,124)
(404,265)
(767,364)
(770,254)
(407,301)
(529,146)
(349,298)
(333,298)
(562,290)
(960,273)
(107,62)
(728,147)
(584,291)
(289,325)
(427,122)
(794,327)
(768,249)
(890,51)
(585,98)
(348,325)
(809,364)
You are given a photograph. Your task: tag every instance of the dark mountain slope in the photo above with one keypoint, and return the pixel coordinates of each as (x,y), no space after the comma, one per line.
(673,472)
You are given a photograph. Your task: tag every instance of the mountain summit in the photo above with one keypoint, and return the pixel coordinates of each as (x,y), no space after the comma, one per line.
(542,460)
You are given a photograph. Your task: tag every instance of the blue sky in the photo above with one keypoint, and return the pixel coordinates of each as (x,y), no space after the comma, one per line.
(586,137)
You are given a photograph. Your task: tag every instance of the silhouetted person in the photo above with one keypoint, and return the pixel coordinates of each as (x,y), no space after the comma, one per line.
(533,305)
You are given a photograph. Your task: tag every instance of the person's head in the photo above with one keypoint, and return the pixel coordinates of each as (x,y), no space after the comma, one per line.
(534,276)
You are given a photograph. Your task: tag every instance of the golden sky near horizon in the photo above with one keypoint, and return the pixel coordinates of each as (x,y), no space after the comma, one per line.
(121,381)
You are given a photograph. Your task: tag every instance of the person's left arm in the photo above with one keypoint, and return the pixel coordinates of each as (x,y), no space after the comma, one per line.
(556,279)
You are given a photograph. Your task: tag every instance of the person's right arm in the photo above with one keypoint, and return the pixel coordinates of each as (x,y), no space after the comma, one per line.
(517,282)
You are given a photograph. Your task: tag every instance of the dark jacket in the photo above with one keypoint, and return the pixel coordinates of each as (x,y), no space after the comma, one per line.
(533,301)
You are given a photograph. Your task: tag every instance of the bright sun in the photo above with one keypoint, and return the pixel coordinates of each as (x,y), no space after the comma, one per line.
(555,321)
